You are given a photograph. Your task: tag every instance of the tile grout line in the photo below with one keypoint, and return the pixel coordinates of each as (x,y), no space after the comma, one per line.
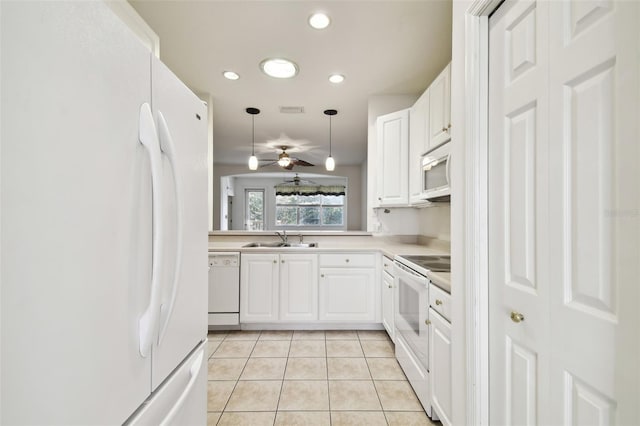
(286,364)
(238,379)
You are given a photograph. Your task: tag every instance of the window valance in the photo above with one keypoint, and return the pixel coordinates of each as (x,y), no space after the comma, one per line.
(284,189)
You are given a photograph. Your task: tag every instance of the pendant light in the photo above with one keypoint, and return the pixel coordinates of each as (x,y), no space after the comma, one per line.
(253,160)
(330,164)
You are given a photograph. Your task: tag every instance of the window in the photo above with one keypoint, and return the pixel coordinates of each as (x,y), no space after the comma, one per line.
(254,209)
(310,210)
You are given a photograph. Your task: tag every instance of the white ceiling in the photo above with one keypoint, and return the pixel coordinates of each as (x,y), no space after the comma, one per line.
(382,48)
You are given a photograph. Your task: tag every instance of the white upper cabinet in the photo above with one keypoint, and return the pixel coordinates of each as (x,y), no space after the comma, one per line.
(393,159)
(418,145)
(440,108)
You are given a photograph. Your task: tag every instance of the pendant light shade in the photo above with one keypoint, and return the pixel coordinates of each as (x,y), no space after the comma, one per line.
(330,163)
(253,160)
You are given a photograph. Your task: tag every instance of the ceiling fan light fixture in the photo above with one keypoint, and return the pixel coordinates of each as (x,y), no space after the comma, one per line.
(284,160)
(231,75)
(253,160)
(279,68)
(336,78)
(319,21)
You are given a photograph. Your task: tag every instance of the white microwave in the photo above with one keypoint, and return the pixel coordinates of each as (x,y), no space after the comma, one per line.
(435,174)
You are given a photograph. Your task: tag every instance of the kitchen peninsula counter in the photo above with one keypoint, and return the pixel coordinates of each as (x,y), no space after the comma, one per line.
(331,242)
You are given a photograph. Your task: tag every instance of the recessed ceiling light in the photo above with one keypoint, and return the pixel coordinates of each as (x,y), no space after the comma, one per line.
(230,75)
(336,78)
(279,68)
(319,21)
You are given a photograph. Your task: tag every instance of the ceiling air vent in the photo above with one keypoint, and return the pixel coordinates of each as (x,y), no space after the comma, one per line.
(292,109)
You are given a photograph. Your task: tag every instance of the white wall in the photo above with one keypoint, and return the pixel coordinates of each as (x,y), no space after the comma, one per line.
(355,198)
(458,224)
(435,222)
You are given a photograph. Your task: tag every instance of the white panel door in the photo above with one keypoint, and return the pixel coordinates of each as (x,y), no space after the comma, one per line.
(393,157)
(299,287)
(518,214)
(182,128)
(594,168)
(76,215)
(347,294)
(259,287)
(573,229)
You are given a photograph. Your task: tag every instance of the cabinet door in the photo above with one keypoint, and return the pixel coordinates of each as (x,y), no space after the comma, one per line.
(347,294)
(299,287)
(259,277)
(440,108)
(440,366)
(393,158)
(418,145)
(388,305)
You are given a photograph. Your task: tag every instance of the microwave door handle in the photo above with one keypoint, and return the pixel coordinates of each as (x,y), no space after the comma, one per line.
(447,169)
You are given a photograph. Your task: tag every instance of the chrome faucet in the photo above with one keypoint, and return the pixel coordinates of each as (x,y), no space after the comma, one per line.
(283,236)
(300,236)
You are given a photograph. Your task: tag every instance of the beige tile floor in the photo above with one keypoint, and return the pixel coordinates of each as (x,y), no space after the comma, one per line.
(308,378)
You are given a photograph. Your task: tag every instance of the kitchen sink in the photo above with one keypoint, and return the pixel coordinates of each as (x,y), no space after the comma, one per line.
(281,244)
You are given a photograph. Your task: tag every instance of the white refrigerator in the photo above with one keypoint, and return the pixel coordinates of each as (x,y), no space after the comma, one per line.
(103,224)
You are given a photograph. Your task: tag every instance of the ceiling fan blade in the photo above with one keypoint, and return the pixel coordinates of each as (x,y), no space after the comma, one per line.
(299,162)
(268,159)
(268,164)
(290,166)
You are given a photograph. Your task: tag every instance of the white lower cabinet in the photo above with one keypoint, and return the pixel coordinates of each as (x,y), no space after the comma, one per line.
(388,297)
(440,362)
(298,287)
(259,287)
(347,294)
(347,287)
(277,287)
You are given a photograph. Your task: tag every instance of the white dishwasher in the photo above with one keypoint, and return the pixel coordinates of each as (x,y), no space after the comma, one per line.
(224,288)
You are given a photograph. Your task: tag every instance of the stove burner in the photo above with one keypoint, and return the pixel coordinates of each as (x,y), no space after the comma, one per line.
(432,263)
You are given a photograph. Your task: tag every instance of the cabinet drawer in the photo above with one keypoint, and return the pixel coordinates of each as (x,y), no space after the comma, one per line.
(440,301)
(387,265)
(356,260)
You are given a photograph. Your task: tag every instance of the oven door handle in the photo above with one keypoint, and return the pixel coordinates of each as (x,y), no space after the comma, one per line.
(409,271)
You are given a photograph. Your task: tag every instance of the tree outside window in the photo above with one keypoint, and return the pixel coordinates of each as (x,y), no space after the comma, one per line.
(254,202)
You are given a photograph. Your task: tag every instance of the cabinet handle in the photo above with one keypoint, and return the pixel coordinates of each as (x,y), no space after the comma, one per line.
(275,261)
(449,126)
(516,317)
(321,275)
(390,286)
(282,261)
(427,322)
(379,198)
(347,260)
(444,129)
(438,302)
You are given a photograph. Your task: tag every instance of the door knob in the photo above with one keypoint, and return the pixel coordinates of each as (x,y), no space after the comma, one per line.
(516,317)
(438,302)
(427,322)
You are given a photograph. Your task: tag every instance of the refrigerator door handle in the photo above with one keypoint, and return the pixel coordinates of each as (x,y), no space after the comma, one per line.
(168,148)
(149,139)
(193,373)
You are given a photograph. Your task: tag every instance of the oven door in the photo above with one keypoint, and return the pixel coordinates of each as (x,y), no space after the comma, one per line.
(412,311)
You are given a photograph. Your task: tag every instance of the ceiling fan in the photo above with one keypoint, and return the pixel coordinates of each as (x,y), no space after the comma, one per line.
(285,161)
(296,181)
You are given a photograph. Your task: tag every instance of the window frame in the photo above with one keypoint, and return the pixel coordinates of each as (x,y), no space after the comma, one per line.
(247,212)
(319,226)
